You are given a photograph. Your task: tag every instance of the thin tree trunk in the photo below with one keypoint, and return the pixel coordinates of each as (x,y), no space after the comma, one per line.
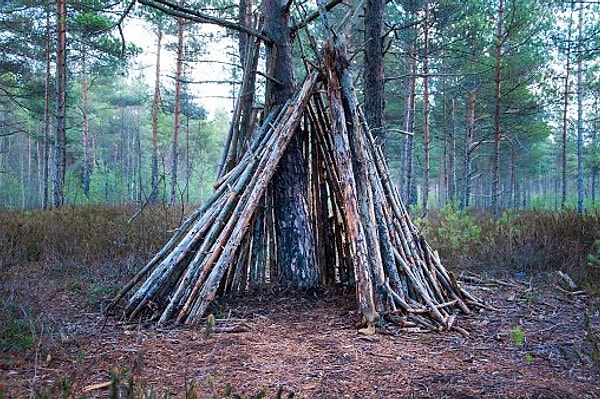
(155,113)
(426,135)
(408,117)
(452,154)
(495,195)
(177,111)
(188,161)
(512,197)
(565,120)
(138,152)
(86,167)
(45,160)
(594,183)
(60,144)
(580,193)
(469,148)
(374,70)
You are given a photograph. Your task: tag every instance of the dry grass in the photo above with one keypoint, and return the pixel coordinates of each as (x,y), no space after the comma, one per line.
(91,234)
(519,244)
(87,251)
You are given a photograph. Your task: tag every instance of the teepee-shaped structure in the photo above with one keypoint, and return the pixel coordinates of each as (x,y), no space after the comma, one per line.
(363,233)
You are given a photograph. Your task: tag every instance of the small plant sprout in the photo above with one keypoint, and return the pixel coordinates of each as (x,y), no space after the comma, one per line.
(210,326)
(517,336)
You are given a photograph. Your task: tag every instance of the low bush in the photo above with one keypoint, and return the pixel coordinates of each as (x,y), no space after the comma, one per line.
(525,242)
(89,234)
(86,251)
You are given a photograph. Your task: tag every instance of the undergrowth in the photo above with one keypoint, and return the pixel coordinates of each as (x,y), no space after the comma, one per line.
(518,243)
(91,234)
(88,252)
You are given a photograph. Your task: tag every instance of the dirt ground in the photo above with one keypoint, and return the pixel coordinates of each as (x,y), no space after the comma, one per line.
(305,346)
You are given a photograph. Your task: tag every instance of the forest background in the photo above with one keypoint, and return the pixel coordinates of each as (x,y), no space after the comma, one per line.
(485,107)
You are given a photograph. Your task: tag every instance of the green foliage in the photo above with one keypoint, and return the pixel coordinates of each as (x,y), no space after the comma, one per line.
(65,386)
(518,242)
(458,226)
(593,258)
(517,336)
(451,231)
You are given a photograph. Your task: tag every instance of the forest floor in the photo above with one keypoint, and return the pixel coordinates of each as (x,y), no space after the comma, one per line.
(537,344)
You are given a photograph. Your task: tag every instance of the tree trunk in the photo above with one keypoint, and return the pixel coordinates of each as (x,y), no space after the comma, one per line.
(469,148)
(594,178)
(408,118)
(452,195)
(565,120)
(426,135)
(45,160)
(512,195)
(86,166)
(155,113)
(495,195)
(374,70)
(138,153)
(188,161)
(296,255)
(244,19)
(60,143)
(580,194)
(177,111)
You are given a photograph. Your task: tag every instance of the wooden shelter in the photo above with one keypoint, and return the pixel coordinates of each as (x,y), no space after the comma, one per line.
(363,234)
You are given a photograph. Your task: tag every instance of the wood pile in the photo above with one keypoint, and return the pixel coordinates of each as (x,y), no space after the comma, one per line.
(363,232)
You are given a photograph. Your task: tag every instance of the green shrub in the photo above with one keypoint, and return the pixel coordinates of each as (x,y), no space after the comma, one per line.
(532,241)
(453,233)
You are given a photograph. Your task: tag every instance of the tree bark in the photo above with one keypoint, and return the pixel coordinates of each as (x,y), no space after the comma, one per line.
(296,256)
(495,204)
(60,141)
(45,160)
(580,193)
(451,172)
(86,166)
(359,245)
(565,120)
(408,118)
(469,148)
(374,70)
(426,135)
(155,112)
(177,111)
